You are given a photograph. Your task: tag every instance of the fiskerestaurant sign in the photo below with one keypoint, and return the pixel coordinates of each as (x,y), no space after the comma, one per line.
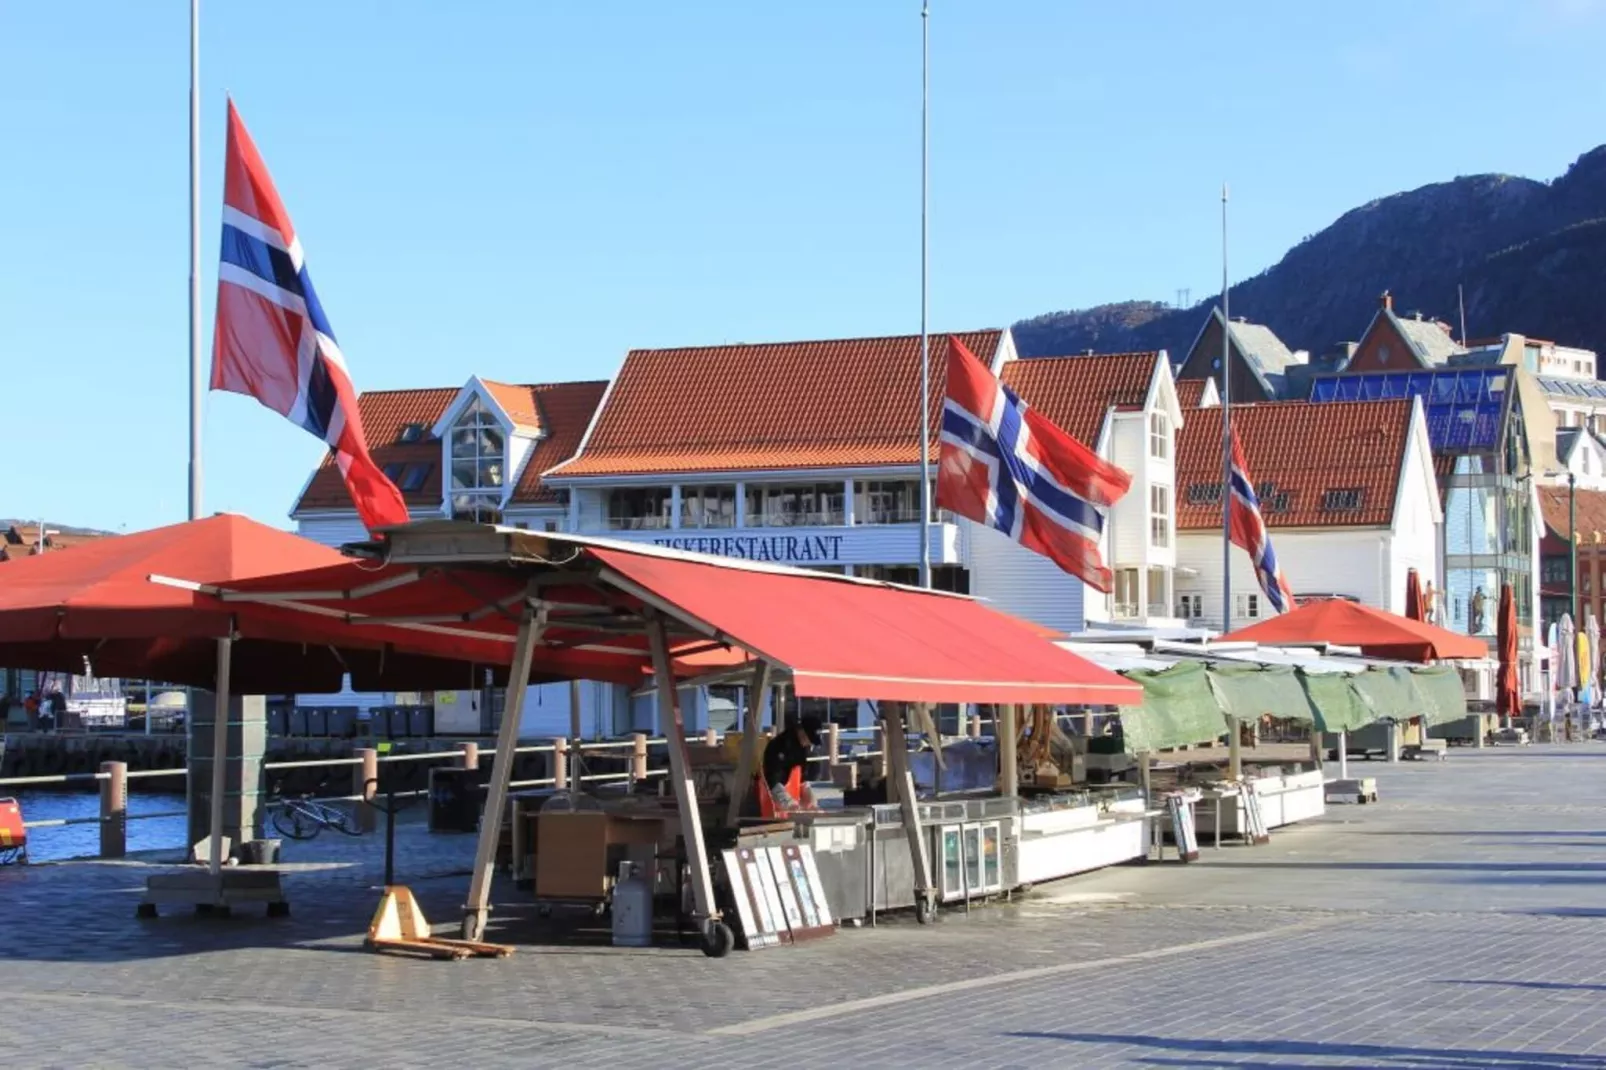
(789,549)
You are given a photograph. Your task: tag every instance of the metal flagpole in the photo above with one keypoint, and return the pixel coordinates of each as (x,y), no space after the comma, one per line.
(1226,432)
(925,342)
(196,385)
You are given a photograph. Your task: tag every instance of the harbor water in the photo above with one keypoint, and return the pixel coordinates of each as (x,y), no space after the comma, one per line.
(83,841)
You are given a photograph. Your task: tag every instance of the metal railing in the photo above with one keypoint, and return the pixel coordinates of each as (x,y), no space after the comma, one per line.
(114,777)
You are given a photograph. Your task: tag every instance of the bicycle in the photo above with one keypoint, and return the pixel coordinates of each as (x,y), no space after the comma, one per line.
(303,817)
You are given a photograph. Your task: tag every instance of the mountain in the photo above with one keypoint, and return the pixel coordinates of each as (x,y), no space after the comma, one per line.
(1531,257)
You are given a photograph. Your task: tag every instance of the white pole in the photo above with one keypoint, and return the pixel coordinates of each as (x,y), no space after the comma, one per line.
(220,749)
(925,342)
(196,385)
(1226,431)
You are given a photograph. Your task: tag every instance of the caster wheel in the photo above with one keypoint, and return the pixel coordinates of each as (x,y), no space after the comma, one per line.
(145,910)
(925,912)
(278,910)
(718,940)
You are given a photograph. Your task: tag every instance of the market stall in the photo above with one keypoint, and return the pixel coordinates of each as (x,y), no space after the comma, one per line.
(563,606)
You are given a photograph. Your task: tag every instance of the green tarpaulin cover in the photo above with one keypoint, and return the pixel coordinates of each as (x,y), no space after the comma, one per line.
(1179,709)
(1443,693)
(1433,692)
(1339,708)
(1250,692)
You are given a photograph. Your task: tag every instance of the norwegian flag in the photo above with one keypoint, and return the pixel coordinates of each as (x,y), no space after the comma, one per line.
(1009,467)
(1249,531)
(272,341)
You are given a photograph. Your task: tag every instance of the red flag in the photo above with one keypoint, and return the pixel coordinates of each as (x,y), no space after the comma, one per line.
(272,341)
(1010,468)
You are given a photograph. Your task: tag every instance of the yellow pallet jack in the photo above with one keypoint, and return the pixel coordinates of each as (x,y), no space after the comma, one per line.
(399,925)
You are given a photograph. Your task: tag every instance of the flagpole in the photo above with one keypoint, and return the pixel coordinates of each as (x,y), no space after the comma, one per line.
(1226,431)
(196,385)
(925,342)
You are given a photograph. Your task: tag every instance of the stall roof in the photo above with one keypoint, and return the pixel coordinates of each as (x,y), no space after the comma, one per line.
(1118,657)
(837,637)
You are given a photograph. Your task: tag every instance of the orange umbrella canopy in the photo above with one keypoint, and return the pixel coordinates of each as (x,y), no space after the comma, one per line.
(1378,633)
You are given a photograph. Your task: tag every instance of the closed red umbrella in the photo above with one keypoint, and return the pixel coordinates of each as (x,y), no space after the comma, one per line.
(1415,609)
(1508,700)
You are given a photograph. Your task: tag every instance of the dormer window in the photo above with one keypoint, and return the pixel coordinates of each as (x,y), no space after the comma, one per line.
(1159,436)
(478,465)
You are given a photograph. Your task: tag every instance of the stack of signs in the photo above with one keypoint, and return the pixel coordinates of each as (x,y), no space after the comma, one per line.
(1257,833)
(1183,833)
(779,897)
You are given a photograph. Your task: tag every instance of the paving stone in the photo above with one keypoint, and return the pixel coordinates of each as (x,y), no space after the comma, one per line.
(1459,923)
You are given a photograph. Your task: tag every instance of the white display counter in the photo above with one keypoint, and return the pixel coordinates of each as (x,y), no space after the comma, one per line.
(1284,799)
(1063,842)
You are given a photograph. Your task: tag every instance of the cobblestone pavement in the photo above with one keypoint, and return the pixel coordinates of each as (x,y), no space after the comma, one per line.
(1460,923)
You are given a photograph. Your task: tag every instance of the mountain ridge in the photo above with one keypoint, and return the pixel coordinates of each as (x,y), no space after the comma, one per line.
(1529,256)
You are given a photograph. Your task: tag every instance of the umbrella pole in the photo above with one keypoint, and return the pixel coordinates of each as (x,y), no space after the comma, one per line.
(747,763)
(220,751)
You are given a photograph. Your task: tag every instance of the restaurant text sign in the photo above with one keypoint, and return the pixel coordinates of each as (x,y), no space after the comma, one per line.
(789,549)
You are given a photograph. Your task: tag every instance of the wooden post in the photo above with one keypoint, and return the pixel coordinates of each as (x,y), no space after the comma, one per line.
(1235,757)
(1343,756)
(367,769)
(114,809)
(747,762)
(881,748)
(705,913)
(1005,731)
(638,757)
(974,723)
(560,765)
(1087,722)
(710,737)
(833,745)
(471,755)
(477,909)
(220,751)
(903,783)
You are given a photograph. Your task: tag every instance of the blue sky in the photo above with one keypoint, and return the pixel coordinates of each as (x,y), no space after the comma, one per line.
(525,191)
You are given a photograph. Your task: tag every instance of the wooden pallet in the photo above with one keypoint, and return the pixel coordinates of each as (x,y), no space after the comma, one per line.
(399,925)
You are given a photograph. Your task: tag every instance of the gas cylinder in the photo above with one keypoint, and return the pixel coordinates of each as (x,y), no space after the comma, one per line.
(632,908)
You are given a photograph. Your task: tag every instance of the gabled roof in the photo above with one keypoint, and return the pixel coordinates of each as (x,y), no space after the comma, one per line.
(1297,453)
(1077,392)
(519,403)
(1429,339)
(1591,512)
(1265,354)
(560,411)
(1192,393)
(850,402)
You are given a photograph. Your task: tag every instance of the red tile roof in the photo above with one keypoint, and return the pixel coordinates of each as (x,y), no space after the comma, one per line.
(1302,451)
(561,411)
(1190,392)
(1591,512)
(518,402)
(1077,392)
(826,404)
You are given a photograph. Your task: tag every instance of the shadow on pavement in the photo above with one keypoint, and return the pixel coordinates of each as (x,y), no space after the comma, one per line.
(1231,1053)
(1543,986)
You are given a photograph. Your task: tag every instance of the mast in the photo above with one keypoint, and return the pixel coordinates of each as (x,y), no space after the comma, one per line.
(196,385)
(925,342)
(1226,431)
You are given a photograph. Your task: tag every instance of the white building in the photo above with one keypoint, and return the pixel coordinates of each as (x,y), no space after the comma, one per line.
(1348,494)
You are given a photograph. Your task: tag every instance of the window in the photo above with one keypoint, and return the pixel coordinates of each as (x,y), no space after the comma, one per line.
(796,505)
(638,508)
(1272,498)
(478,457)
(1343,499)
(1246,606)
(1204,493)
(414,476)
(1553,570)
(1190,606)
(393,471)
(886,502)
(1159,436)
(549,525)
(1159,591)
(413,433)
(1126,593)
(1160,515)
(708,507)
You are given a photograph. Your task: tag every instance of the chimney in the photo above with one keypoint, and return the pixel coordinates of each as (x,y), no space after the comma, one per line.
(1386,301)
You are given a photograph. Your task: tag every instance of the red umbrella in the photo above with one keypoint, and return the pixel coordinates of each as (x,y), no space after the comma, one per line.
(1414,603)
(97,602)
(1377,632)
(1508,700)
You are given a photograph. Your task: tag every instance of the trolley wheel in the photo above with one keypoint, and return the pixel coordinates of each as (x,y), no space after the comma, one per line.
(717,940)
(925,911)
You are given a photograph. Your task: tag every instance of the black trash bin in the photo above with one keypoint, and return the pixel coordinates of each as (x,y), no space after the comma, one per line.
(455,798)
